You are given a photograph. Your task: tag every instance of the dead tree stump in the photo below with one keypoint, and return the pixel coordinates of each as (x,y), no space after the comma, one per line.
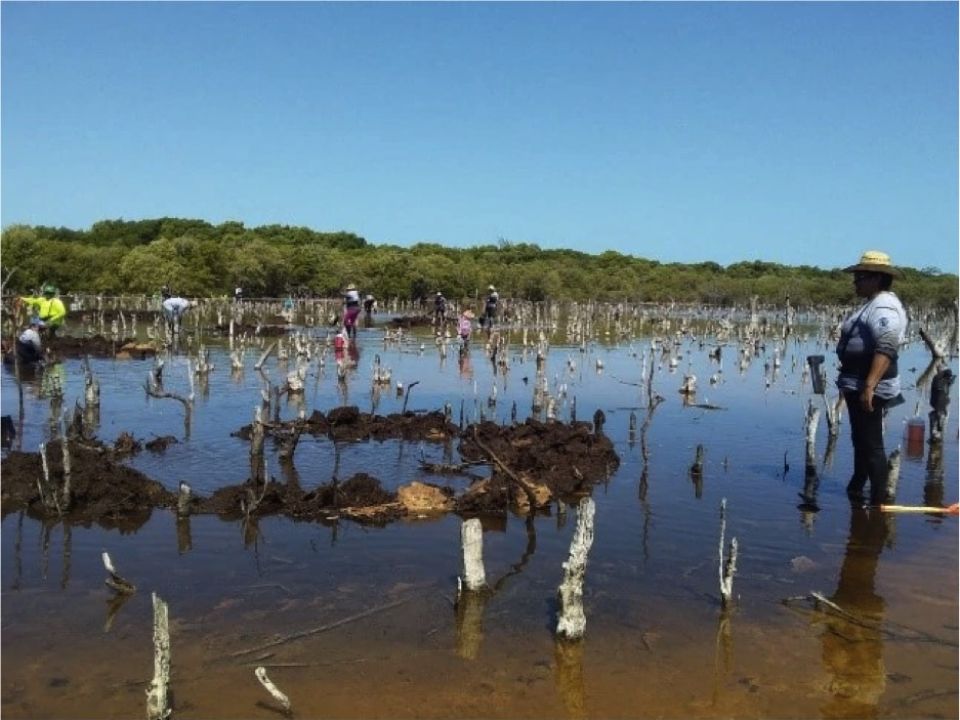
(572,622)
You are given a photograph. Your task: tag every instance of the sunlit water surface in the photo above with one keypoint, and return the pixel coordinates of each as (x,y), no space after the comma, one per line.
(657,643)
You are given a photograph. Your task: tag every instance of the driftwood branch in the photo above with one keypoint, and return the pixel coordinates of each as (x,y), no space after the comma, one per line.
(406,395)
(933,346)
(116,582)
(888,628)
(265,355)
(154,391)
(523,484)
(321,629)
(275,692)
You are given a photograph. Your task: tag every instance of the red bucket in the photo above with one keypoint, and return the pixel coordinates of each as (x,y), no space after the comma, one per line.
(915,436)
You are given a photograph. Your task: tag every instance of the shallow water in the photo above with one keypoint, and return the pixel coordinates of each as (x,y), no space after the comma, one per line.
(657,643)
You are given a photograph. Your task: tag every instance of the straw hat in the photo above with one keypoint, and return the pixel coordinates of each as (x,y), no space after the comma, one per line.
(874,261)
(469,314)
(491,287)
(351,286)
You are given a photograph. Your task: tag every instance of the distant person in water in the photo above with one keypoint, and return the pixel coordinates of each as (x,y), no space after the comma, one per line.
(490,307)
(29,345)
(464,328)
(48,307)
(351,309)
(439,309)
(174,307)
(869,344)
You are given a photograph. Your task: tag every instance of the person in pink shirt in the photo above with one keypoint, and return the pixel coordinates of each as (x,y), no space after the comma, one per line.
(464,328)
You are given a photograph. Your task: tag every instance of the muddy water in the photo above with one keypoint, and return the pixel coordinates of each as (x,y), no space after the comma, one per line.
(657,644)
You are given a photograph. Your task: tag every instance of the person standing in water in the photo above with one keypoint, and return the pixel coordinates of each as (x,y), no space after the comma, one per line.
(869,379)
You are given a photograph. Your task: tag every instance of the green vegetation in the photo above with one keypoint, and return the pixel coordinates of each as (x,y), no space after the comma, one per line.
(197,258)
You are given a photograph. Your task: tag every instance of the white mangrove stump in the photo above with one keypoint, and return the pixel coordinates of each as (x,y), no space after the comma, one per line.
(471,540)
(183,499)
(939,404)
(158,702)
(811,423)
(275,692)
(893,476)
(572,622)
(728,566)
(115,581)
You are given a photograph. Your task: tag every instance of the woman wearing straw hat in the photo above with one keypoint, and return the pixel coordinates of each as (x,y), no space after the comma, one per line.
(869,343)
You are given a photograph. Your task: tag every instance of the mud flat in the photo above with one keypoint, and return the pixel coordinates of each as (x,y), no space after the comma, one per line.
(531,464)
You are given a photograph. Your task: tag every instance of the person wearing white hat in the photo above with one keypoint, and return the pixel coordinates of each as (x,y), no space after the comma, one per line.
(869,343)
(351,309)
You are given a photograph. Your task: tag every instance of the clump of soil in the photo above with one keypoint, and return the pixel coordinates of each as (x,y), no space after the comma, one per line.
(348,424)
(160,444)
(361,497)
(126,444)
(98,346)
(102,490)
(552,459)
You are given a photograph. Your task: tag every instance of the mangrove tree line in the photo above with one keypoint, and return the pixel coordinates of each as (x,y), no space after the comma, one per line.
(198,258)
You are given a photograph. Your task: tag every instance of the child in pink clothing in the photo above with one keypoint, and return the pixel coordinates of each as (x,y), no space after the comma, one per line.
(464,328)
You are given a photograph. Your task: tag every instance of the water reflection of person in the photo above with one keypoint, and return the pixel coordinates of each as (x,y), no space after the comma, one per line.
(853,649)
(466,367)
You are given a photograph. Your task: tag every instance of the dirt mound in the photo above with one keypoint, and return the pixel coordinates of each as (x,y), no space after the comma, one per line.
(98,346)
(533,465)
(534,462)
(102,490)
(362,497)
(348,424)
(160,444)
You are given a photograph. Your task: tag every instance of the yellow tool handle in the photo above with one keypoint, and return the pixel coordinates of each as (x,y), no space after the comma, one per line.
(951,510)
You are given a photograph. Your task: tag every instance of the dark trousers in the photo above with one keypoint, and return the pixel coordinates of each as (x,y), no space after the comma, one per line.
(27,353)
(869,457)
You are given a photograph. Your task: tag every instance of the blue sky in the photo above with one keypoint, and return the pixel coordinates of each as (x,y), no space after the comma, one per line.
(799,133)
